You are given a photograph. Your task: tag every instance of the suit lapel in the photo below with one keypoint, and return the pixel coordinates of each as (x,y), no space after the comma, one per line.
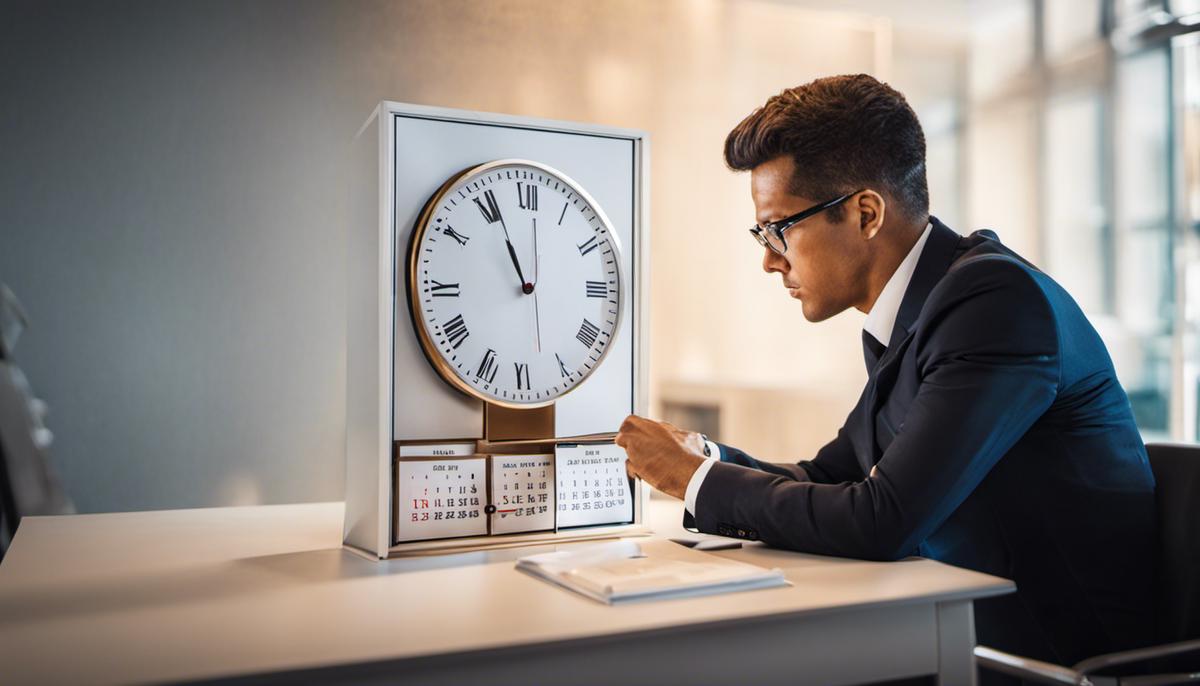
(940,249)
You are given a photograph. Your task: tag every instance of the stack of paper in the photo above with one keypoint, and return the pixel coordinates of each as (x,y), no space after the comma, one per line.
(620,571)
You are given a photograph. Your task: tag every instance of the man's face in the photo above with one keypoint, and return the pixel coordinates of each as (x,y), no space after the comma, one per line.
(825,267)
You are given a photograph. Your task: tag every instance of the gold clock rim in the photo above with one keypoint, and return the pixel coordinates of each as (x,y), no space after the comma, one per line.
(429,348)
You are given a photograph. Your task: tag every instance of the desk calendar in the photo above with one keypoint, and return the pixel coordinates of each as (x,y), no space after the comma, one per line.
(522,493)
(592,485)
(579,485)
(441,498)
(495,338)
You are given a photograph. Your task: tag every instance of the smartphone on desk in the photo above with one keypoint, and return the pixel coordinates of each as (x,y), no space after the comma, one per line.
(708,543)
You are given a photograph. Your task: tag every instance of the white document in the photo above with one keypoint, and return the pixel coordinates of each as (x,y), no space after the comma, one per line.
(620,571)
(522,493)
(593,487)
(441,498)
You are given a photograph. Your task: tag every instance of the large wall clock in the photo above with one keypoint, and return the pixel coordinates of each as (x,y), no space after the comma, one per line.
(514,283)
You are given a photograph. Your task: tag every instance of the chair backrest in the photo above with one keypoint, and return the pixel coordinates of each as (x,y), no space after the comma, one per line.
(1177,495)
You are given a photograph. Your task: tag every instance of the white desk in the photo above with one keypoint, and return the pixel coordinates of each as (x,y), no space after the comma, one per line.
(268,593)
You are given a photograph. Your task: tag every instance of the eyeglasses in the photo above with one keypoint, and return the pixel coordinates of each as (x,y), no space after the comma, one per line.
(770,235)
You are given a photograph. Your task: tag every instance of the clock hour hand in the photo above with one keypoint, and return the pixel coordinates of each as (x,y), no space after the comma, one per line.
(526,287)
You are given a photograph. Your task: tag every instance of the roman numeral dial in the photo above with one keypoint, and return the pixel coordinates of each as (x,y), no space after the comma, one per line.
(514,283)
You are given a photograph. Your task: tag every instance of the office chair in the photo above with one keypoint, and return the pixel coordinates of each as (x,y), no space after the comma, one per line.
(1177,596)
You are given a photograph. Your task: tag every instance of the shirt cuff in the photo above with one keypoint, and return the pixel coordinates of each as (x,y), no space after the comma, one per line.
(693,487)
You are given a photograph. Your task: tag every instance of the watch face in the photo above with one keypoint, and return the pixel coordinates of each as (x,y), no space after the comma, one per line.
(514,283)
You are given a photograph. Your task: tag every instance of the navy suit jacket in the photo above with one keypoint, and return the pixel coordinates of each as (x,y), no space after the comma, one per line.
(1002,442)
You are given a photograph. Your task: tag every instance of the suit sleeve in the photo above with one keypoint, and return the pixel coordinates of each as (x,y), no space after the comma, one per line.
(987,356)
(833,463)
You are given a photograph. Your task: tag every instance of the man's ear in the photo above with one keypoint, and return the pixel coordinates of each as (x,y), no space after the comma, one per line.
(871,208)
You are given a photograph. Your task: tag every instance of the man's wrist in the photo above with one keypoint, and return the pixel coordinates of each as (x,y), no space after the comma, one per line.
(679,487)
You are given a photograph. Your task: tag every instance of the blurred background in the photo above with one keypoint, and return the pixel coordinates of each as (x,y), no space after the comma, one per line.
(172,187)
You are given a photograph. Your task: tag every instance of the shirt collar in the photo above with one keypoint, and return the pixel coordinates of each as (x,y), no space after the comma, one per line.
(882,317)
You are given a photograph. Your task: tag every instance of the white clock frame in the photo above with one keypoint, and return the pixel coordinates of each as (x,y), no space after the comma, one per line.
(389,396)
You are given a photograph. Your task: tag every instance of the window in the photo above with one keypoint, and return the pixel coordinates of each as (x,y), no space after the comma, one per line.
(1144,273)
(1075,220)
(1069,24)
(1112,158)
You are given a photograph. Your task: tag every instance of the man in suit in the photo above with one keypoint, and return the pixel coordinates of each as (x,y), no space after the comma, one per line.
(992,433)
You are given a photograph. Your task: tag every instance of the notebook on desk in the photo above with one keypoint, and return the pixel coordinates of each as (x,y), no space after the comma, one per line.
(627,570)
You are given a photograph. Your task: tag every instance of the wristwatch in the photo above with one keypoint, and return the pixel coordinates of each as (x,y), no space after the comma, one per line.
(707,450)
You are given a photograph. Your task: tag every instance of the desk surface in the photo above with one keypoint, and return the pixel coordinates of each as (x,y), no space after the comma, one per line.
(192,594)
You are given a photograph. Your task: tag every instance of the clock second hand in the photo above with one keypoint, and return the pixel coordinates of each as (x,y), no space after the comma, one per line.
(537,323)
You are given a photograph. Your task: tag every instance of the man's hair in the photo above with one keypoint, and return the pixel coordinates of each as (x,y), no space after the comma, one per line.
(845,133)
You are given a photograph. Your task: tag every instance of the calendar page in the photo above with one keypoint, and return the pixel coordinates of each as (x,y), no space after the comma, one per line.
(522,493)
(592,485)
(441,498)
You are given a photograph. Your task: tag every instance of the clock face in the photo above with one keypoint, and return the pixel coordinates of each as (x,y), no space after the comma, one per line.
(514,283)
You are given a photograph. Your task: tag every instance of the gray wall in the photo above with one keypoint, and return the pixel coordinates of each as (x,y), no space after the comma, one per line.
(169,216)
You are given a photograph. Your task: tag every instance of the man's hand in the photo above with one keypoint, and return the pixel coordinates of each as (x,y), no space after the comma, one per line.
(663,456)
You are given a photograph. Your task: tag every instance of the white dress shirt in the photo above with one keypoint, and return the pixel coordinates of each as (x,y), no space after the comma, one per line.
(879,324)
